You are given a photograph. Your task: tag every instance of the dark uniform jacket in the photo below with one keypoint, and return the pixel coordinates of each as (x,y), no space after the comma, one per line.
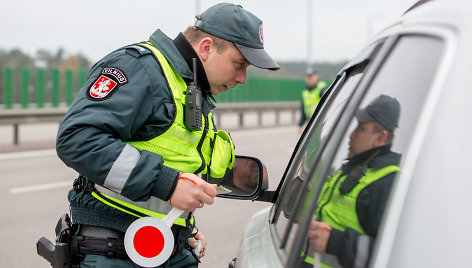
(370,206)
(140,107)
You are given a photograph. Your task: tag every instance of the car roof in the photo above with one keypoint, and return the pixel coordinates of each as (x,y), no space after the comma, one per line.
(447,13)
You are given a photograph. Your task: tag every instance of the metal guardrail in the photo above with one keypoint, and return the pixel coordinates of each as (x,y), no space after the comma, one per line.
(259,107)
(19,116)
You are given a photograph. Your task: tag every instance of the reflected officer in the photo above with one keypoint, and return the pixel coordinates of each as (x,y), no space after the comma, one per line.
(352,201)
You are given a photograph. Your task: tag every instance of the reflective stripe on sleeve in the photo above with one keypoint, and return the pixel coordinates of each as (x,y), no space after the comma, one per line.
(122,168)
(362,253)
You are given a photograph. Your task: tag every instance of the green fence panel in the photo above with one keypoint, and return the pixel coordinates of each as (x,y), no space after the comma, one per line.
(82,79)
(55,87)
(8,78)
(40,87)
(69,87)
(25,84)
(259,89)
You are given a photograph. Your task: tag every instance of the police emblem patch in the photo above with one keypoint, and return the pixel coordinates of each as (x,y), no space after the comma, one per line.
(102,87)
(107,83)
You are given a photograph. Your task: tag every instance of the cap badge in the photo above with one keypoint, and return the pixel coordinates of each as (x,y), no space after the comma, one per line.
(261,34)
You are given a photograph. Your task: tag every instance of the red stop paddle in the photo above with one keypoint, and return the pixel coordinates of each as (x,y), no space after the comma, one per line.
(149,241)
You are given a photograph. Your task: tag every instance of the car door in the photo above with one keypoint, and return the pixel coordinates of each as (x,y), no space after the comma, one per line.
(401,67)
(284,219)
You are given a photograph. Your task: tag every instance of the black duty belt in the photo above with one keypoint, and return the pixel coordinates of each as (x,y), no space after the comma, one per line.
(104,241)
(98,241)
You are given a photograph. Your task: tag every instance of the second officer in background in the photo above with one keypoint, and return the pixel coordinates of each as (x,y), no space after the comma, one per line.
(311,95)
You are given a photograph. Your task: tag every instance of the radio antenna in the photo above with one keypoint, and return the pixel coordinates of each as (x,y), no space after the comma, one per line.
(194,63)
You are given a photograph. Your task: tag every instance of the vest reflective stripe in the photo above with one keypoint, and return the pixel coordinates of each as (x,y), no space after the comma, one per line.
(181,149)
(135,210)
(338,210)
(311,98)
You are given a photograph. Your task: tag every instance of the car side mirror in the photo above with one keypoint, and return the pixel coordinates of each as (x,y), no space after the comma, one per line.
(246,180)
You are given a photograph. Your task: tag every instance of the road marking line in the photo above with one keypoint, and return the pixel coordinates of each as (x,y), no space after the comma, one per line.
(40,187)
(28,154)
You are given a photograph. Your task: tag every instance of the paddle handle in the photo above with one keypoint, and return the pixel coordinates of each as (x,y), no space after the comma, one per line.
(172,216)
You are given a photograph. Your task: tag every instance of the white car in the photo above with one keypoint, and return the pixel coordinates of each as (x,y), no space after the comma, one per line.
(424,60)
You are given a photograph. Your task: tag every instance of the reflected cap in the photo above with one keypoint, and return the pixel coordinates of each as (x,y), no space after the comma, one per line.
(232,23)
(384,110)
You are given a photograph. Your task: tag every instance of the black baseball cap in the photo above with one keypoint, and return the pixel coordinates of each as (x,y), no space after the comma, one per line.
(384,110)
(232,23)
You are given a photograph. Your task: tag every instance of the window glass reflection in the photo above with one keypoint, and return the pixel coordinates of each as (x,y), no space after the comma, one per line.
(349,210)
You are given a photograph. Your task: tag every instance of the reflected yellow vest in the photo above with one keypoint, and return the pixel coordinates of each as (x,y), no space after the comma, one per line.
(339,210)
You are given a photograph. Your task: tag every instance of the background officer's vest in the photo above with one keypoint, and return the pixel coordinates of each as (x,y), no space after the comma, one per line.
(311,98)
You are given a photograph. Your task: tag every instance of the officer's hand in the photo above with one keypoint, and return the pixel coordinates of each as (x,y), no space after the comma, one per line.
(192,192)
(193,242)
(319,234)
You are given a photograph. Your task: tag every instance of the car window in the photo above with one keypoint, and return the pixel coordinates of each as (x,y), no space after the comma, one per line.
(406,75)
(294,186)
(316,135)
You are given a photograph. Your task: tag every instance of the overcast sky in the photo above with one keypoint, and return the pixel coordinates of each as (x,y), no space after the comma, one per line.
(340,28)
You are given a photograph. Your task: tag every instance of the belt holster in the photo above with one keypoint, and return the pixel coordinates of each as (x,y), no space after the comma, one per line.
(58,254)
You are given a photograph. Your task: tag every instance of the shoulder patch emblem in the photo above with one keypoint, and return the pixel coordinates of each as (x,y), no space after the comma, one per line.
(109,80)
(102,87)
(116,73)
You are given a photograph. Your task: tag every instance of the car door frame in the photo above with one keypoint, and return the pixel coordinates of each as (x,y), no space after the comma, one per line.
(337,133)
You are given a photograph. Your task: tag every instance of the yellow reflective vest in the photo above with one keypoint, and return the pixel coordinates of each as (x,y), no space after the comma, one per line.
(311,98)
(197,151)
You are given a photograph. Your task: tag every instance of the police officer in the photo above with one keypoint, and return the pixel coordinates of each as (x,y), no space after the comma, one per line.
(311,95)
(352,201)
(127,137)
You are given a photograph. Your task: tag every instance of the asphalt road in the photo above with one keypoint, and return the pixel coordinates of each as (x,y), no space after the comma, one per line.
(34,186)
